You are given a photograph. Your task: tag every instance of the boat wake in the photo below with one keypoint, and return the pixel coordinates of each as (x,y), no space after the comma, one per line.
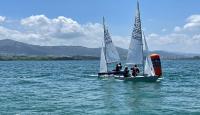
(93,75)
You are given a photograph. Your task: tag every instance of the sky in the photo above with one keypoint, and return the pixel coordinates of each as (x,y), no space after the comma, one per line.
(169,25)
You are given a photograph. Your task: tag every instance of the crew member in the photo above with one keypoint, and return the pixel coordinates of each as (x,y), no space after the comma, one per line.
(120,66)
(117,69)
(135,71)
(126,72)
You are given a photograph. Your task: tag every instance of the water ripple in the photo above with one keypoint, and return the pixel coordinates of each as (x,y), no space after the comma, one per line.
(72,87)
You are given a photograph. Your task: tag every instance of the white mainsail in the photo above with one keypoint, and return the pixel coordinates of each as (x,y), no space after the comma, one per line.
(103,63)
(110,50)
(135,52)
(148,68)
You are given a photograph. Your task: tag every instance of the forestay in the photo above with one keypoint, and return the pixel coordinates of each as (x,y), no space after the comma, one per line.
(135,52)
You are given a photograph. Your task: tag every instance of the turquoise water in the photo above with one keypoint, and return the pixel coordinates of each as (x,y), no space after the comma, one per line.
(72,87)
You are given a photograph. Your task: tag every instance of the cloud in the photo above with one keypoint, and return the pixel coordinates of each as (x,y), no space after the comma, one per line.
(153,35)
(121,41)
(185,38)
(60,27)
(193,22)
(2,19)
(192,25)
(175,42)
(41,30)
(177,29)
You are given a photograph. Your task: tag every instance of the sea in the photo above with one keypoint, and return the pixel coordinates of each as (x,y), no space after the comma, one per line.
(73,88)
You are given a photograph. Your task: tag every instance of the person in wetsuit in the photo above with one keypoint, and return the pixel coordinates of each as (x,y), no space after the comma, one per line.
(120,66)
(117,68)
(126,72)
(135,71)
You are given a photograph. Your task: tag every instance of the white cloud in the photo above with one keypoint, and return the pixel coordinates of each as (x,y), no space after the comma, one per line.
(153,35)
(175,42)
(59,27)
(33,21)
(41,30)
(121,41)
(2,19)
(185,38)
(193,22)
(177,29)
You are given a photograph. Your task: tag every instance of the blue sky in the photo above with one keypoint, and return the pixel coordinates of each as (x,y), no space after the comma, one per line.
(156,14)
(159,17)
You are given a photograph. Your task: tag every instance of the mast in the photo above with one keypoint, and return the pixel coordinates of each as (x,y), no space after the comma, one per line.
(104,28)
(138,15)
(143,52)
(142,35)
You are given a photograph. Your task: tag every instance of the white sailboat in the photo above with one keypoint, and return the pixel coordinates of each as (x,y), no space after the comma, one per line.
(138,53)
(109,53)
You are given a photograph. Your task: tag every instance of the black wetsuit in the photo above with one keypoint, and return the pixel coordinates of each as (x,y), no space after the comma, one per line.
(126,72)
(135,71)
(117,68)
(120,67)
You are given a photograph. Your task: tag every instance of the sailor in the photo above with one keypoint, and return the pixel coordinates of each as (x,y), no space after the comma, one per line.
(120,66)
(126,72)
(117,69)
(135,70)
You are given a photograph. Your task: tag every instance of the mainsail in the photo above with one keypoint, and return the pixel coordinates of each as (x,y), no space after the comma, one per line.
(110,50)
(135,52)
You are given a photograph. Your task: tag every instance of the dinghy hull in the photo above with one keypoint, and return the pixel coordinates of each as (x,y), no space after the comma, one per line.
(111,73)
(138,78)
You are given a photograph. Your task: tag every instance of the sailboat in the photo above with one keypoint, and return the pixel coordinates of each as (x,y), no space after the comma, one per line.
(138,54)
(109,54)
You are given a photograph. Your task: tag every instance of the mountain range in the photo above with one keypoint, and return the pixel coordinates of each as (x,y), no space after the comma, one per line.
(11,47)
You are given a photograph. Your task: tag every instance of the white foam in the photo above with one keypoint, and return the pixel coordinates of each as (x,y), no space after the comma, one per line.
(93,75)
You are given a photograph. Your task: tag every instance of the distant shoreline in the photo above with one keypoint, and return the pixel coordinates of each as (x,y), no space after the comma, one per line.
(184,58)
(46,58)
(62,58)
(14,50)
